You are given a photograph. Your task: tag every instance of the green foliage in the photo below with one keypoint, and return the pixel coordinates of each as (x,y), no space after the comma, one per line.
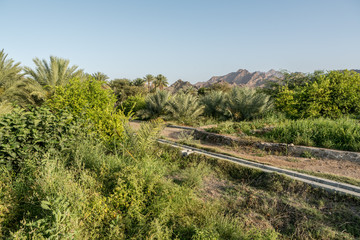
(155,105)
(57,72)
(139,82)
(160,82)
(124,88)
(246,103)
(88,99)
(99,76)
(25,92)
(147,192)
(133,104)
(214,104)
(331,94)
(184,108)
(149,79)
(10,71)
(23,134)
(14,87)
(342,134)
(5,108)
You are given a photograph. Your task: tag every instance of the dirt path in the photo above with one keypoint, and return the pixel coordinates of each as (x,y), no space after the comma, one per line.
(335,167)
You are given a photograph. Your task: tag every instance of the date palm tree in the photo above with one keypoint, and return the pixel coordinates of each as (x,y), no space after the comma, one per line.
(160,81)
(57,72)
(100,76)
(10,71)
(155,105)
(184,108)
(14,87)
(149,78)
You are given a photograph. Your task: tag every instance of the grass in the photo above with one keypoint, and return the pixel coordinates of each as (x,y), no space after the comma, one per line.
(293,209)
(136,189)
(341,134)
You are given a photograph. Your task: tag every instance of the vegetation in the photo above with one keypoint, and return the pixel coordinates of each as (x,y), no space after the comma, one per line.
(246,103)
(149,79)
(155,105)
(88,99)
(57,72)
(329,94)
(10,71)
(342,134)
(214,104)
(133,104)
(124,88)
(160,82)
(100,76)
(72,168)
(185,108)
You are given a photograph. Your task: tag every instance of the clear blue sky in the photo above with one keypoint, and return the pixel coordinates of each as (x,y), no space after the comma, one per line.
(191,40)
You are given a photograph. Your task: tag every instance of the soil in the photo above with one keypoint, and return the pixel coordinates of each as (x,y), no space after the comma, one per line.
(335,167)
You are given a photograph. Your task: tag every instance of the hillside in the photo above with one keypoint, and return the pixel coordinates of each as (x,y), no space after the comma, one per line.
(243,78)
(179,85)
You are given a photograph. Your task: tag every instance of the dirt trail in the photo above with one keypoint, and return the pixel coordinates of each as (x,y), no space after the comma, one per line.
(336,167)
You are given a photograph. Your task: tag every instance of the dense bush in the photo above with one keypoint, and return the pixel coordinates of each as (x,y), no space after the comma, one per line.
(124,88)
(184,108)
(91,100)
(133,104)
(332,94)
(87,193)
(33,133)
(246,103)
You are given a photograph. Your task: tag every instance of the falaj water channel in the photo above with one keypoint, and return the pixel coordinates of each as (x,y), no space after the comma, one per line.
(290,166)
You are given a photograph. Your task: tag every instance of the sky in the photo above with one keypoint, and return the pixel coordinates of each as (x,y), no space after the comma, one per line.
(191,40)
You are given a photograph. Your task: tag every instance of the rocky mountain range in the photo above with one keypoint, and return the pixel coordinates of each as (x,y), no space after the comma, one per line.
(242,77)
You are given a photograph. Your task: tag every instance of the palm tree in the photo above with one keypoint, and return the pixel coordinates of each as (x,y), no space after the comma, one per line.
(55,73)
(155,105)
(25,92)
(246,103)
(185,108)
(138,82)
(149,78)
(14,88)
(100,76)
(214,104)
(160,81)
(10,71)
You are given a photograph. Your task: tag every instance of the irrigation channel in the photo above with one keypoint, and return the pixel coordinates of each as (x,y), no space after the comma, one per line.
(326,184)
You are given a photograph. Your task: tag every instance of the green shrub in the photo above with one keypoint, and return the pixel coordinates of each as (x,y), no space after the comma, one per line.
(91,100)
(133,104)
(184,108)
(329,94)
(34,132)
(246,103)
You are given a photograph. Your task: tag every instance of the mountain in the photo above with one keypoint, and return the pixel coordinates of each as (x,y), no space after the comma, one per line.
(243,78)
(179,85)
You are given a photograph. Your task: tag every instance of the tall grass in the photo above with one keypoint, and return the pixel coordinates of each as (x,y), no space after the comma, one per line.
(342,134)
